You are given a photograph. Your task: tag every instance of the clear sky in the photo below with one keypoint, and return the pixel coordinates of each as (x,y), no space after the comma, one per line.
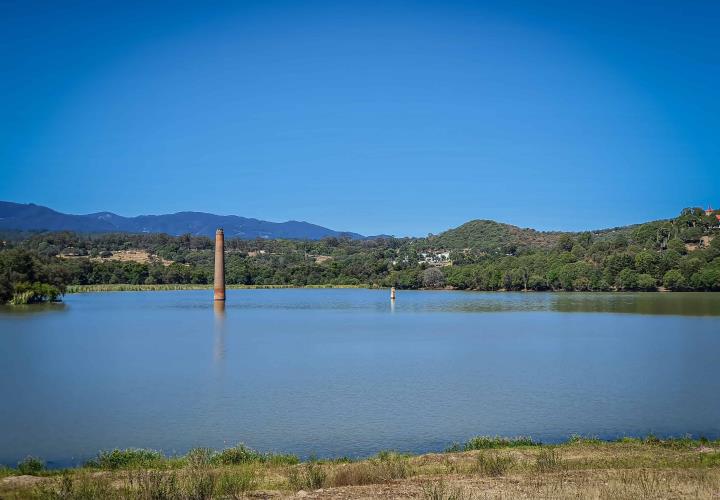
(376,117)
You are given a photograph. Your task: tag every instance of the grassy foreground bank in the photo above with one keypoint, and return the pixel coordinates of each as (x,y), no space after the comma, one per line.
(481,468)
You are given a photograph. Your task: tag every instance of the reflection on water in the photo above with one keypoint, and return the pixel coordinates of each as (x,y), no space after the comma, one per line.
(31,309)
(685,304)
(341,372)
(219,310)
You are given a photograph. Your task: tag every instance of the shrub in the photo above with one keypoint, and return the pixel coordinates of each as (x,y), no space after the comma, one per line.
(455,447)
(31,466)
(199,457)
(241,454)
(486,442)
(125,459)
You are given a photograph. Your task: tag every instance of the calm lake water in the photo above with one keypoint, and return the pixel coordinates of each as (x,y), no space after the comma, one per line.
(344,372)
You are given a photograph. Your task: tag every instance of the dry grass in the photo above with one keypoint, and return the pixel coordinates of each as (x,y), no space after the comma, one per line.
(577,469)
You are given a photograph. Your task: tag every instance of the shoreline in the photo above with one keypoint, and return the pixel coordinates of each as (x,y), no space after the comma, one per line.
(507,467)
(120,287)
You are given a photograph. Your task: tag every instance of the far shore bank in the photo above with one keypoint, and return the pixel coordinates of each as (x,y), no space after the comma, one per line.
(483,467)
(119,287)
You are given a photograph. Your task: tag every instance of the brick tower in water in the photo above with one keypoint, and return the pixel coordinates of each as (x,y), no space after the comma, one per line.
(219,287)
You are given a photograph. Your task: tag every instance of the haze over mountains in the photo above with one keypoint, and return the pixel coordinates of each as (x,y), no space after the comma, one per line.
(18,216)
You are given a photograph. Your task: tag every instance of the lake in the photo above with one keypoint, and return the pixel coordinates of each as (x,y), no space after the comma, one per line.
(337,372)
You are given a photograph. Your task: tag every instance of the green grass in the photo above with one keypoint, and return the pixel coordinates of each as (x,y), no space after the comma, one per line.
(549,460)
(126,459)
(135,458)
(241,454)
(488,443)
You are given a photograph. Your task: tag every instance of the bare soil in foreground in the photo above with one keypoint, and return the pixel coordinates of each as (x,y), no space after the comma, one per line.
(581,468)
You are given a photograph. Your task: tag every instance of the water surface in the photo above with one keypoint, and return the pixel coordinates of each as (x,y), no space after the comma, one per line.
(345,372)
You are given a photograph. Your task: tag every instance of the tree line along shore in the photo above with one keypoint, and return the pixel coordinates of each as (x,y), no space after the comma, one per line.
(483,467)
(680,254)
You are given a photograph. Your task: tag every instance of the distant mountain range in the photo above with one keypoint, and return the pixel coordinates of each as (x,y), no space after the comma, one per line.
(17,216)
(484,235)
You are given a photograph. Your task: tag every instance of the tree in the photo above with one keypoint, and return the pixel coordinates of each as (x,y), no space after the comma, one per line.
(646,282)
(627,279)
(565,243)
(646,262)
(433,277)
(674,280)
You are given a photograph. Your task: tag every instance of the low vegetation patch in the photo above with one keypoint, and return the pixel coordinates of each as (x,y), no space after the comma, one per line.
(487,442)
(549,460)
(386,467)
(31,466)
(493,464)
(125,459)
(441,490)
(309,476)
(241,454)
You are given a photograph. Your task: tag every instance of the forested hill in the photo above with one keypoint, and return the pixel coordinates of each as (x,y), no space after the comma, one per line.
(677,254)
(494,237)
(491,237)
(31,217)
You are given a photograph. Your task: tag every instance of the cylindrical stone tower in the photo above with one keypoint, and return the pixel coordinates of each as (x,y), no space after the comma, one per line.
(219,265)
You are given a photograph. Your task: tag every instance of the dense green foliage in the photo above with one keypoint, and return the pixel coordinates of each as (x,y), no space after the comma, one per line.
(27,277)
(678,254)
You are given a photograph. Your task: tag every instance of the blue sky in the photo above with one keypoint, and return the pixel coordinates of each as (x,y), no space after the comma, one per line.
(377,117)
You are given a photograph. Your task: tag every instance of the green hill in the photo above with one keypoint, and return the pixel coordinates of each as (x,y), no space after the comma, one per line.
(493,237)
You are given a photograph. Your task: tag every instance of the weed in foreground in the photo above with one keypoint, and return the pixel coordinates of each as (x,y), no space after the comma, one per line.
(440,490)
(82,487)
(309,476)
(199,480)
(153,484)
(237,483)
(548,460)
(493,464)
(388,466)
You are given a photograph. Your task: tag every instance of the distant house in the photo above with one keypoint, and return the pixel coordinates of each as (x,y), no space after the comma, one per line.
(709,211)
(435,258)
